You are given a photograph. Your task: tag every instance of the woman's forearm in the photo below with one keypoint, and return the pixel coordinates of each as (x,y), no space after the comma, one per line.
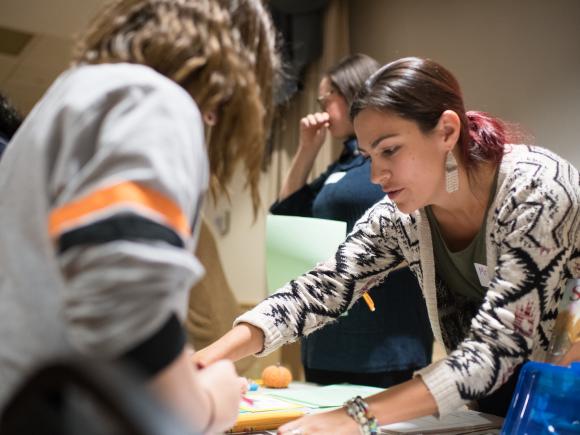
(242,340)
(403,402)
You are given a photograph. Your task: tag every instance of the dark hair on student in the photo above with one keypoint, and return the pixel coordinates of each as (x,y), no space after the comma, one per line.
(421,90)
(10,119)
(349,74)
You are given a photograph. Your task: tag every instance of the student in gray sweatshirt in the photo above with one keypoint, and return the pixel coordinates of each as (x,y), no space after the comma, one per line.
(102,190)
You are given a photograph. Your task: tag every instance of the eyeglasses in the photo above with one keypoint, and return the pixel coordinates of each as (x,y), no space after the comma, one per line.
(323,99)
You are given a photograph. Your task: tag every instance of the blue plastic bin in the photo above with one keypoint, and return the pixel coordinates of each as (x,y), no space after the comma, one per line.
(546,401)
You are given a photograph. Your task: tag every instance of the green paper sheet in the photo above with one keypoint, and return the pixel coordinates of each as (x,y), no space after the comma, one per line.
(325,397)
(294,245)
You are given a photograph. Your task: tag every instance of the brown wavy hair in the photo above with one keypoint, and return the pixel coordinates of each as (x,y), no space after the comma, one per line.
(221,52)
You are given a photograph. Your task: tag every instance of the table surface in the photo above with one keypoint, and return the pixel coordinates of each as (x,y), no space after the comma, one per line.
(305,385)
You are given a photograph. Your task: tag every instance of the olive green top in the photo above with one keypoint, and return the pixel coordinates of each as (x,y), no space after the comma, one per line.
(458,269)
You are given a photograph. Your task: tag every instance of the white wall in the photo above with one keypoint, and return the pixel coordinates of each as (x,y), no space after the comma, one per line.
(241,248)
(519,60)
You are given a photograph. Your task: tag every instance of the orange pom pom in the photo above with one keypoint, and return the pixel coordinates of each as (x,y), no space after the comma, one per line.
(276,376)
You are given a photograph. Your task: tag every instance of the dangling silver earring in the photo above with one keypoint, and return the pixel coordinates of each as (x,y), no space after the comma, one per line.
(451,173)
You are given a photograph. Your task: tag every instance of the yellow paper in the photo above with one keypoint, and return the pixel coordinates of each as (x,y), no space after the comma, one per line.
(264,420)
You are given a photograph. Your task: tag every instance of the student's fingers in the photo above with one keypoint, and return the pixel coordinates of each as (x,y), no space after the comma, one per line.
(222,377)
(195,360)
(312,123)
(304,123)
(199,359)
(313,130)
(244,385)
(314,120)
(221,381)
(322,118)
(222,367)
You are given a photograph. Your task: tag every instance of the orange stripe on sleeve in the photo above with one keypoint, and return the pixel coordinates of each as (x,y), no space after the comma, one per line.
(129,193)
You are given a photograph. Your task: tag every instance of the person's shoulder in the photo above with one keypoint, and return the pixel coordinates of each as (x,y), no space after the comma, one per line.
(87,84)
(534,181)
(531,157)
(525,166)
(117,75)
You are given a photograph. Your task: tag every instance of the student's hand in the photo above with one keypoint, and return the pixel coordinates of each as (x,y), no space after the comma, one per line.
(573,355)
(336,422)
(201,358)
(245,385)
(224,386)
(313,128)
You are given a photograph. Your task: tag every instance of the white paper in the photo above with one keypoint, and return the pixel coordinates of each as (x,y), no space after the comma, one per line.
(451,423)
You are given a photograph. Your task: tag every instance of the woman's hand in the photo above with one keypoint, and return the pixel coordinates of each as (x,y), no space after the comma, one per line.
(335,422)
(242,340)
(203,358)
(405,401)
(313,129)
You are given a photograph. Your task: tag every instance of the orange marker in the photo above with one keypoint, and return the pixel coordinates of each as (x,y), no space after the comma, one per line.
(369,301)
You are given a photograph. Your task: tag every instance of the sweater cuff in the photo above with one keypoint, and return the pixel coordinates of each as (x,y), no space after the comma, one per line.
(272,337)
(439,379)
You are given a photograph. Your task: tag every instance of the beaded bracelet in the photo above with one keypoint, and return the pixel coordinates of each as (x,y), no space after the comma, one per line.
(358,409)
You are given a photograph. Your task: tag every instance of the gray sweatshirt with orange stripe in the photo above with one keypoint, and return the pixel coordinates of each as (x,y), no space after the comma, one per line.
(100,193)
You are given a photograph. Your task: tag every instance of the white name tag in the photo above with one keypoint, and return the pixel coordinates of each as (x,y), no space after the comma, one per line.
(334,178)
(481,270)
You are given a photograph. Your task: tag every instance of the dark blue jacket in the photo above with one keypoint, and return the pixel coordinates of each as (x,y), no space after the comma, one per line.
(397,336)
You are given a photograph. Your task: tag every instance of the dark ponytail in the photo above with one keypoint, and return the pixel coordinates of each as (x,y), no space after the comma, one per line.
(487,137)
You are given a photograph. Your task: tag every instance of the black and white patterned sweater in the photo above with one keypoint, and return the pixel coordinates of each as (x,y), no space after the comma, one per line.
(533,247)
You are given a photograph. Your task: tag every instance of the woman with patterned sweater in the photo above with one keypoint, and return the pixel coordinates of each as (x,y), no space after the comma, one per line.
(490,229)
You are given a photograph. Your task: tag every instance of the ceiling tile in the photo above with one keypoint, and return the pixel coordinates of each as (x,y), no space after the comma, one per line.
(7,64)
(47,51)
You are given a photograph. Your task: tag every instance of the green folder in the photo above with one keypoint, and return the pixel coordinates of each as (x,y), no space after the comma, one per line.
(294,245)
